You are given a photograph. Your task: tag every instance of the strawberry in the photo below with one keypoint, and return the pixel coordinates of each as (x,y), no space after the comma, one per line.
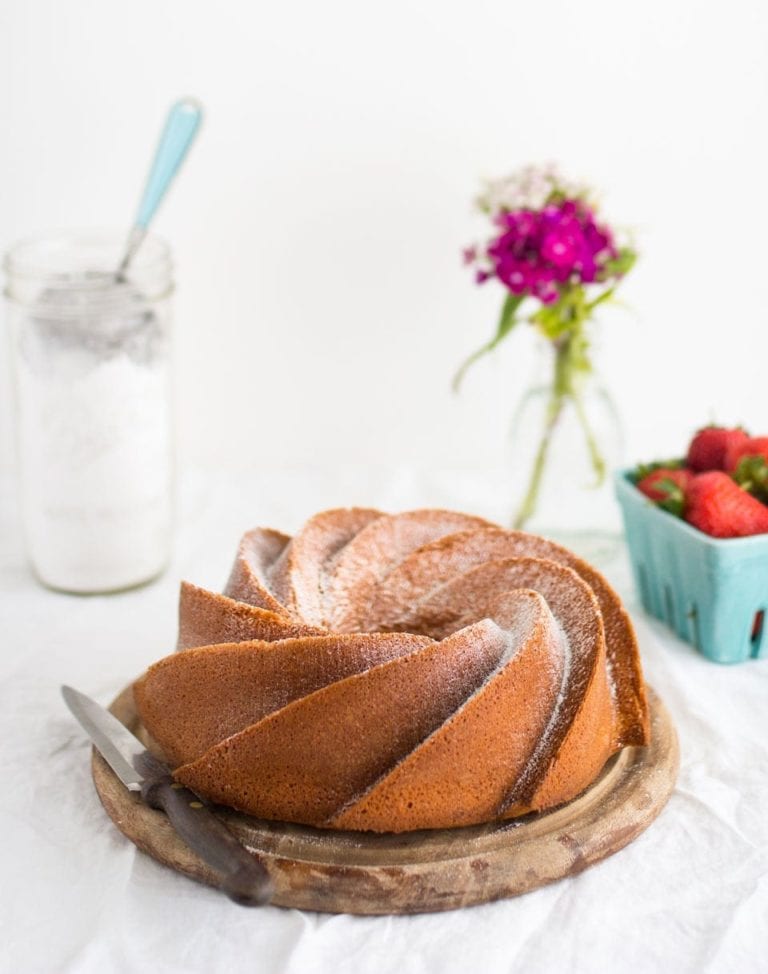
(710,446)
(667,487)
(750,447)
(717,506)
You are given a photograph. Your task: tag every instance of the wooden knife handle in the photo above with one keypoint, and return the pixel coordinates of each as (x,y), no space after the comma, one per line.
(244,878)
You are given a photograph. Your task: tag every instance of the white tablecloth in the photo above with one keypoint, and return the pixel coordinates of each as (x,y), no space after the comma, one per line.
(690,894)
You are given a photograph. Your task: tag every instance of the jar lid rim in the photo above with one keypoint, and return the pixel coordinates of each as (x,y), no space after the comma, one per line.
(52,255)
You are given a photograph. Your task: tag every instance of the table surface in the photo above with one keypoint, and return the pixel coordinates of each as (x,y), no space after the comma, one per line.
(690,894)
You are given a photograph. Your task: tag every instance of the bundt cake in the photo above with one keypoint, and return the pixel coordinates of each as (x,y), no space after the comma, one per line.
(397,672)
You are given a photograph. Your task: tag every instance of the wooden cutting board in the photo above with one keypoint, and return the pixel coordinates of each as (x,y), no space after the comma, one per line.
(421,872)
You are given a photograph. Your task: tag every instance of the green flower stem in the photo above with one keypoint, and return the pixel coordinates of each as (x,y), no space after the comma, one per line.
(561,388)
(562,322)
(571,365)
(528,507)
(507,321)
(595,456)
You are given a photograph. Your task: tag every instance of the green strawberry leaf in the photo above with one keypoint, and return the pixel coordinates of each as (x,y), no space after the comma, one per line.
(752,475)
(674,500)
(643,469)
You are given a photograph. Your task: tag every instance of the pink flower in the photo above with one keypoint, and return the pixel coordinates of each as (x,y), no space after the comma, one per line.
(536,251)
(560,248)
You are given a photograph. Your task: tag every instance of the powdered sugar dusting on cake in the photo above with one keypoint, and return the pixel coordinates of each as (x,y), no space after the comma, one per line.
(483,723)
(249,581)
(518,676)
(375,551)
(539,753)
(300,576)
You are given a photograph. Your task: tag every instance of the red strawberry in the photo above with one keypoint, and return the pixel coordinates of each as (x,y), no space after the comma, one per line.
(652,484)
(754,447)
(710,446)
(717,506)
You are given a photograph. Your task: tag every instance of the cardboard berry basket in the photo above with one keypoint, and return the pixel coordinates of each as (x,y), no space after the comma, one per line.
(712,591)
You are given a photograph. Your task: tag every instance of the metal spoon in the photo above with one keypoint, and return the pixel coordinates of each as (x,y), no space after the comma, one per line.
(181,127)
(99,307)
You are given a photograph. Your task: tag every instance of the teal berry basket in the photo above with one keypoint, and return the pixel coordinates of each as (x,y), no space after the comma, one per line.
(712,591)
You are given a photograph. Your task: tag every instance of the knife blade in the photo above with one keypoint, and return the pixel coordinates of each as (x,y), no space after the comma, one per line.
(243,878)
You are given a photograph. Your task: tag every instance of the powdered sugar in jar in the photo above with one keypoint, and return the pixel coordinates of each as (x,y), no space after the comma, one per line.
(92,368)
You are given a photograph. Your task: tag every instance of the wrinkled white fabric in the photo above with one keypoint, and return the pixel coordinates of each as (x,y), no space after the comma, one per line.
(689,895)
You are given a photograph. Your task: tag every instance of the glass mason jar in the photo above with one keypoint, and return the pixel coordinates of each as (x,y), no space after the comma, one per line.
(564,489)
(91,359)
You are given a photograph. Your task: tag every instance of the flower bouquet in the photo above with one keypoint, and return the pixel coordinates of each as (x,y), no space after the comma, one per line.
(557,264)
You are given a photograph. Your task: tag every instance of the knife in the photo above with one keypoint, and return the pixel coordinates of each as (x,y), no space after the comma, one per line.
(243,878)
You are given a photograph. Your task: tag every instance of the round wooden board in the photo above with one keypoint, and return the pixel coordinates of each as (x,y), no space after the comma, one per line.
(421,872)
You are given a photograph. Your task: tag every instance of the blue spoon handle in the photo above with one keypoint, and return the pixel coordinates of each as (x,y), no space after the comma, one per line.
(180,129)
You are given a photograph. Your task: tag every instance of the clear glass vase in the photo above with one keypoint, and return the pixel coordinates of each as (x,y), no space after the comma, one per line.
(563,451)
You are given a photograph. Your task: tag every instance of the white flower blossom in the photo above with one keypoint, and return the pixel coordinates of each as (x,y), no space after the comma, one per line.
(528,188)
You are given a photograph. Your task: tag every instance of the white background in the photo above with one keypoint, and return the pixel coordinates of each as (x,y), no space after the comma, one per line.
(322,306)
(321,311)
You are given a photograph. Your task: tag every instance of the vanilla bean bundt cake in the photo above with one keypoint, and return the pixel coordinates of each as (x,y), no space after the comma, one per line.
(397,672)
